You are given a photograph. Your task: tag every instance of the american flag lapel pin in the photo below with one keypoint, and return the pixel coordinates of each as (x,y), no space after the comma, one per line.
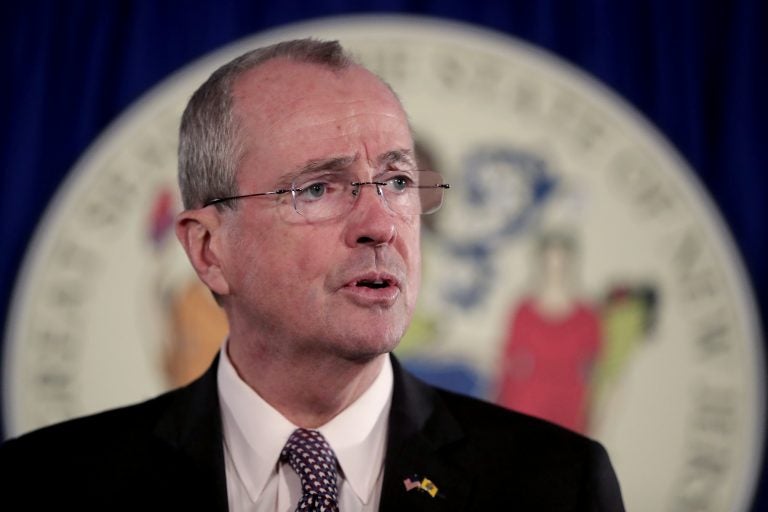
(412,483)
(424,484)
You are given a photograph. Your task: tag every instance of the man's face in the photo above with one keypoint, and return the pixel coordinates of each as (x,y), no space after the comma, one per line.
(346,286)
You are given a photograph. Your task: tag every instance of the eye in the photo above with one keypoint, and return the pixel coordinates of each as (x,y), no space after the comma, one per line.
(318,188)
(399,183)
(315,190)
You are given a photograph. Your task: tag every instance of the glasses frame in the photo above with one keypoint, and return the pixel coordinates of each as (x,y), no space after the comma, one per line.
(355,192)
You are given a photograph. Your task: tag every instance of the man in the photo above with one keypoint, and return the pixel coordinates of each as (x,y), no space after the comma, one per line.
(302,200)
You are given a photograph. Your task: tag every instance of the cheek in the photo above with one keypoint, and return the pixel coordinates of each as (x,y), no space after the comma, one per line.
(412,256)
(301,260)
(255,257)
(414,233)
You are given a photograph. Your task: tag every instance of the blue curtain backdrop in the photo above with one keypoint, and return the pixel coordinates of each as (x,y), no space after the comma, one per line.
(696,69)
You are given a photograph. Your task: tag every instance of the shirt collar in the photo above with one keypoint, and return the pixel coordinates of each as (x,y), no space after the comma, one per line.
(358,434)
(255,432)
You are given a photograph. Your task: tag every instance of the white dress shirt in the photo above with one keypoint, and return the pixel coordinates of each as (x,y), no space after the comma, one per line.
(255,433)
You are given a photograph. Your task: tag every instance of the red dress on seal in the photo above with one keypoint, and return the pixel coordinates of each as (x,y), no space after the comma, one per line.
(547,364)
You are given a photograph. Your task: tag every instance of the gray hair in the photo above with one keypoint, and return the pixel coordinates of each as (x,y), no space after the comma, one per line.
(209,146)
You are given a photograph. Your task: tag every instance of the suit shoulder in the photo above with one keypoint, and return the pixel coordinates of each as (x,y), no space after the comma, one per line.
(547,457)
(157,455)
(103,429)
(558,469)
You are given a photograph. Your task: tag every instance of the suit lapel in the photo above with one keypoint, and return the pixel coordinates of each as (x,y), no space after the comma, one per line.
(191,427)
(424,442)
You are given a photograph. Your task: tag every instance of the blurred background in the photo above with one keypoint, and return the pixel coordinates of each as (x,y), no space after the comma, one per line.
(695,70)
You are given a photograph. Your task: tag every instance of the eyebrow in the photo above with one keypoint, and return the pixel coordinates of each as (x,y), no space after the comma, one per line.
(397,156)
(333,164)
(340,163)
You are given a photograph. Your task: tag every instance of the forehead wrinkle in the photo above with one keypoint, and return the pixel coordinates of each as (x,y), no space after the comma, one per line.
(340,108)
(315,121)
(341,163)
(331,164)
(397,156)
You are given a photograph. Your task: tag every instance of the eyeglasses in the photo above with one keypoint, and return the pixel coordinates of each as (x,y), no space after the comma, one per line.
(325,196)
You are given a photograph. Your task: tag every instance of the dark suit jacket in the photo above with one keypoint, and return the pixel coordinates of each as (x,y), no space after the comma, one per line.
(166,454)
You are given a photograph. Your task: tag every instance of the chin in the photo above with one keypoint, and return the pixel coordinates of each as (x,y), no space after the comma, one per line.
(364,347)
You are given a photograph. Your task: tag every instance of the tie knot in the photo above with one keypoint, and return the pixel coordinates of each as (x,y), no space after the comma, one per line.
(312,458)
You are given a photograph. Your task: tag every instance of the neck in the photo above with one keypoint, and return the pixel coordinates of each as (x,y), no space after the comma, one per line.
(310,390)
(554,298)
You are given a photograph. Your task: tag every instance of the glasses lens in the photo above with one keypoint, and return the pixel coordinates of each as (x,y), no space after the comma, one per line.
(327,196)
(412,193)
(321,197)
(430,191)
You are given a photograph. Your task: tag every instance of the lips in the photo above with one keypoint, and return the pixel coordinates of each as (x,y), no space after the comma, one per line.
(373,288)
(375,282)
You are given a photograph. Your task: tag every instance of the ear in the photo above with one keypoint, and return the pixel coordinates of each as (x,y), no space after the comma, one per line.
(199,232)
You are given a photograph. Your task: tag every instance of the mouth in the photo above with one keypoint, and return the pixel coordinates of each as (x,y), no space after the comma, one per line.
(373,288)
(374,284)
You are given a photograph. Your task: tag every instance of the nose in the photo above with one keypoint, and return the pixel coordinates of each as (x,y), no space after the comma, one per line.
(370,222)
